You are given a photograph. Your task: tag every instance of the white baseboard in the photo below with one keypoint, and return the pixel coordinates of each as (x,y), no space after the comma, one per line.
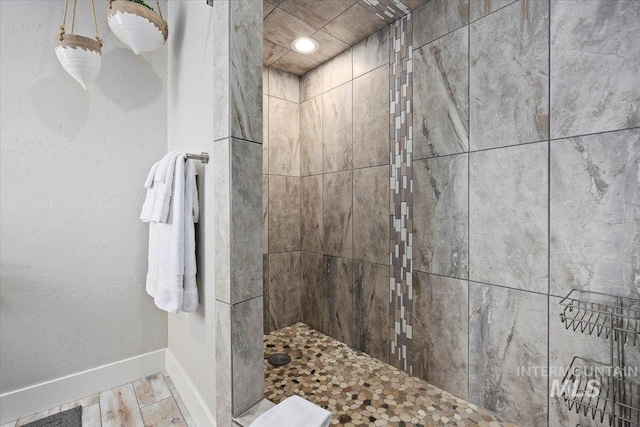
(189,394)
(40,397)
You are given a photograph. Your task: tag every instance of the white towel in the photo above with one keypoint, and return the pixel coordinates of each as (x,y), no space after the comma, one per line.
(159,185)
(192,215)
(147,207)
(171,278)
(294,412)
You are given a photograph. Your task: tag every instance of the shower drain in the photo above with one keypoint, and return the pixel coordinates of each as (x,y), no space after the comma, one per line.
(279,359)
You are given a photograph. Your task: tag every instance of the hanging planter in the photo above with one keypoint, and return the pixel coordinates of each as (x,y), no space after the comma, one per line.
(137,25)
(80,56)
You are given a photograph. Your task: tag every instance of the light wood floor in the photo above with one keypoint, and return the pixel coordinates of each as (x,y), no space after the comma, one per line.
(149,402)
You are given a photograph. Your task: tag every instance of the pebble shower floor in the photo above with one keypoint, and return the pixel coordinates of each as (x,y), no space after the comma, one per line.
(360,390)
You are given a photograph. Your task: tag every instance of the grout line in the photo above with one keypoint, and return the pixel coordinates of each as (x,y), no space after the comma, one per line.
(137,400)
(355,338)
(526,143)
(548,216)
(585,134)
(237,139)
(439,37)
(282,99)
(468,26)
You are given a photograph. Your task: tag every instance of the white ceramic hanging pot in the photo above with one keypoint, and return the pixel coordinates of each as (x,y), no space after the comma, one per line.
(140,28)
(80,57)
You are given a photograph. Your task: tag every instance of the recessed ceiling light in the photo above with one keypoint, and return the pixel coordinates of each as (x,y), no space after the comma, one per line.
(305,45)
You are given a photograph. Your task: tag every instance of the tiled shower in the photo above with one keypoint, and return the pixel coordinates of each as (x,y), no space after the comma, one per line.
(432,193)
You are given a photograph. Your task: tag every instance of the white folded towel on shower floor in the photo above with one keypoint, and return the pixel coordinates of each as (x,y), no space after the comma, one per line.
(171,278)
(294,412)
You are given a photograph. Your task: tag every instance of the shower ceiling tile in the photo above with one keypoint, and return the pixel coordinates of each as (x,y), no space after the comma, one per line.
(355,24)
(283,28)
(271,52)
(294,63)
(329,46)
(335,24)
(388,10)
(267,8)
(314,12)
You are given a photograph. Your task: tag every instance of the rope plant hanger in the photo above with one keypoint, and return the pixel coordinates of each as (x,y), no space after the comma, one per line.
(80,56)
(137,25)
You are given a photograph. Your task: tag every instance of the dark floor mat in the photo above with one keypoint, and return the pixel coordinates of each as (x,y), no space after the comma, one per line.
(69,418)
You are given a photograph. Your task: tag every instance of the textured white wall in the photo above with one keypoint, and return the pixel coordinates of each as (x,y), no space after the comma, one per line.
(73,251)
(190,128)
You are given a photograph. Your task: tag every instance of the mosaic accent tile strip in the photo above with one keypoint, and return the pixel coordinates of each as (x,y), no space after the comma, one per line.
(401,192)
(358,389)
(388,10)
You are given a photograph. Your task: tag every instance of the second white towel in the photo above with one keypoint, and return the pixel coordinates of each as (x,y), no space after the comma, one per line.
(171,278)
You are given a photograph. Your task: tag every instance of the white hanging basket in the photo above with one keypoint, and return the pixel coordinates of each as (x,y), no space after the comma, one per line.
(80,57)
(138,27)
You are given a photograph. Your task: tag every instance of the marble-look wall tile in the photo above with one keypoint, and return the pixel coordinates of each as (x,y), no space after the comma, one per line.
(371,52)
(371,214)
(311,84)
(265,214)
(284,144)
(337,214)
(265,293)
(595,58)
(224,415)
(311,137)
(219,177)
(371,309)
(284,85)
(337,119)
(371,119)
(223,351)
(595,213)
(265,80)
(564,344)
(507,330)
(337,70)
(314,292)
(311,213)
(437,18)
(284,289)
(509,81)
(508,215)
(265,134)
(221,85)
(441,92)
(480,8)
(247,354)
(440,216)
(284,213)
(339,276)
(440,332)
(246,67)
(246,222)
